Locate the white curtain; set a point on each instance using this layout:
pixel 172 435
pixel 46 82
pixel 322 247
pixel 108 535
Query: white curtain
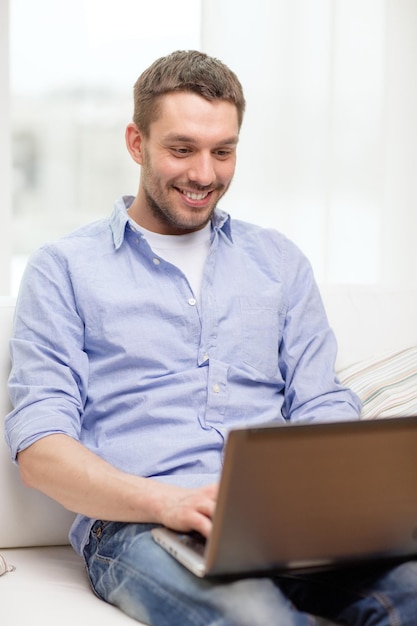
pixel 328 149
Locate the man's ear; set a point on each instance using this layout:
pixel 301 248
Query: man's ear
pixel 133 139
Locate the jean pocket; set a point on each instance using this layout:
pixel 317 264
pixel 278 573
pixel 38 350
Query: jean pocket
pixel 260 333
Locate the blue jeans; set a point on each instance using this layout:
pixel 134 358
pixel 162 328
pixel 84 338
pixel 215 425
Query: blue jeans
pixel 128 569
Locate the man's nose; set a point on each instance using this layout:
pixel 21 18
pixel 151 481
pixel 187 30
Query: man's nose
pixel 202 170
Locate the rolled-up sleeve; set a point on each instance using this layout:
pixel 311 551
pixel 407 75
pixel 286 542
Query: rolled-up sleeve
pixel 308 351
pixel 48 380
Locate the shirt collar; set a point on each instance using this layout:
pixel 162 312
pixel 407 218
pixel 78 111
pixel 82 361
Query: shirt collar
pixel 120 218
pixel 221 221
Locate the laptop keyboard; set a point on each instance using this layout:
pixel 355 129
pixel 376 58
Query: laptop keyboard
pixel 195 541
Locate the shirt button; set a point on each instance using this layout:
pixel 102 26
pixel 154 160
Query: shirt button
pixel 192 301
pixel 205 357
pixel 156 261
pixel 216 388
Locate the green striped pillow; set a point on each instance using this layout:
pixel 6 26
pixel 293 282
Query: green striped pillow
pixel 387 385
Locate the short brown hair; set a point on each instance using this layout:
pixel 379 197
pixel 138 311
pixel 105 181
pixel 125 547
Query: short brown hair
pixel 184 70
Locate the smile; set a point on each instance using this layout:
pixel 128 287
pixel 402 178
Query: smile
pixel 193 195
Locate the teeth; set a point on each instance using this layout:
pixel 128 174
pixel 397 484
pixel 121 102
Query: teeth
pixel 195 196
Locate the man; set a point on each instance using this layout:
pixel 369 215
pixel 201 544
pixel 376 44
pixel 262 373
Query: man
pixel 140 340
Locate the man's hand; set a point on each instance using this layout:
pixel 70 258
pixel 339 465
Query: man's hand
pixel 189 509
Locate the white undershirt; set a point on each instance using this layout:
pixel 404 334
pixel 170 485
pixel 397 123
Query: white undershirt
pixel 187 252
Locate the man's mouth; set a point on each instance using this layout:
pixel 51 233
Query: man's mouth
pixel 195 195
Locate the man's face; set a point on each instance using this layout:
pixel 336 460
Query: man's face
pixel 188 162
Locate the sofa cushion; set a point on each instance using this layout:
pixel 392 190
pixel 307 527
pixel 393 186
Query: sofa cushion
pixel 387 385
pixel 50 586
pixel 371 319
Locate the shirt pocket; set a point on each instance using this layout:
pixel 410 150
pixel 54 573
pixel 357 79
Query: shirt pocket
pixel 260 333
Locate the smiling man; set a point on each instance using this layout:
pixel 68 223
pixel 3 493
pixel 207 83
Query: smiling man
pixel 142 339
pixel 188 158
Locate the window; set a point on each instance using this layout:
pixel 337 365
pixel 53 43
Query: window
pixel 71 97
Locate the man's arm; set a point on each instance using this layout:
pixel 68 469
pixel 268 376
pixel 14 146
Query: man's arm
pixel 308 352
pixel 82 482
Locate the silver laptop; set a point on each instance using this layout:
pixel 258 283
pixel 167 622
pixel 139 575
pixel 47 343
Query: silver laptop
pixel 309 496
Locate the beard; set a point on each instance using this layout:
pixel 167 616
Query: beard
pixel 168 211
pixel 166 214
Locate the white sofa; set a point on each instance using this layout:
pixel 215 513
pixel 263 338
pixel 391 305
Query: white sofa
pixel 49 585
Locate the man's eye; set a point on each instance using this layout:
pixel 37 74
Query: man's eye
pixel 180 151
pixel 223 154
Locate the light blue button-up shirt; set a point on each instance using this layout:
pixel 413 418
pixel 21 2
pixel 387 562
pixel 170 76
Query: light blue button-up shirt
pixel 110 348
